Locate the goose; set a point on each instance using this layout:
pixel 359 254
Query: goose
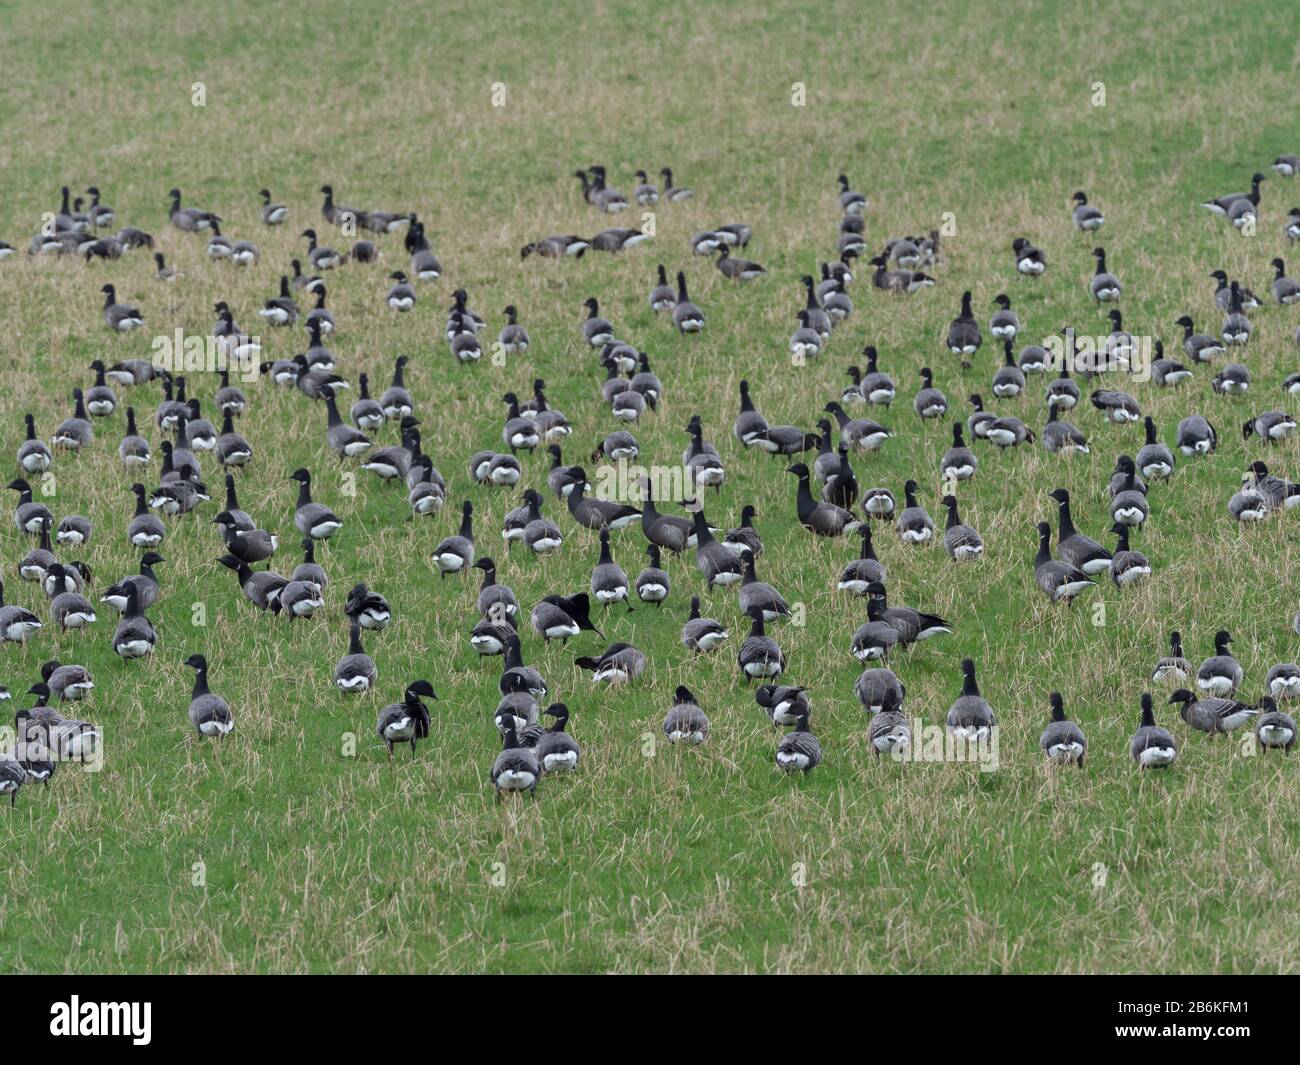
pixel 889 732
pixel 865 570
pixel 557 247
pixel 1063 742
pixel 34 564
pixel 319 256
pixel 1128 504
pixel 1058 580
pixel 1232 380
pixel 618 239
pixel 609 584
pixel 1236 326
pixel 645 194
pixel 1033 358
pixel 176 496
pixel 685 722
pixel 1283 680
pixel 555 750
pixel 720 565
pixel 1104 286
pixel 964 337
pixel 1222 204
pixel 876 386
pixel 519 433
pixel 247 545
pixel 750 424
pixel 541 535
pixel 366 413
pixel 841 486
pixel 145 583
pixel 144 529
pixel 29 517
pixel 1127 566
pixel 1118 407
pixel 851 202
pixel 71 577
pixel 978 423
pixel 914 525
pixel 596 331
pixel 744 537
pixel 401 296
pixel 1291 227
pixel 611 201
pixel 100 214
pixel 229 399
pixel 16 622
pixel 971 717
pixel 597 513
pixel 837 303
pixel 805 342
pixel 272 214
pixel 1241 214
pixel 1173 666
pixel 368 609
pixel 262 589
pixel 209 714
pixel 299 599
pixel 929 402
pixel 874 639
pixel 663 297
pixel 560 478
pixel 135 635
pixel 686 316
pixel 1030 261
pixel 879 690
pixel 1005 323
pixel 1249 505
pixel 701 634
pixel 911 625
pixel 759 654
pixel 519 709
pixel 738 234
pixel 673 193
pixel 702 461
pixel 799 749
pixel 189 219
pixel 851 241
pixel 343 439
pixel 100 400
pixel 1269 425
pixel 67 683
pixel 119 317
pixel 824 519
pixel 863 434
pixel 1009 380
pixel 617 664
pixel 34 457
pixel 513 337
pixel 737 269
pixel 1086 217
pixel 1072 546
pixel 309 570
pixel 312 519
pixel 1284 289
pixel 1120 345
pixel 488 637
pixel 962 542
pixel 456 553
pixel 384 221
pixel 425 265
pixel 1213 715
pixel 1220 674
pixel 782 703
pixel 70 609
pixel 516 768
pixel 652 583
pixel 426 495
pixel 198 433
pixel 1063 438
pixel 323 320
pixel 1196 436
pixel 1276 491
pixel 231 449
pixel 1199 346
pixel 1274 728
pixel 629 405
pixel 617 358
pixel 407 721
pixel 818 320
pixel 219 246
pixel 7 251
pixel 1287 165
pixel 903 251
pixel 56 738
pixel 1166 372
pixel 759 595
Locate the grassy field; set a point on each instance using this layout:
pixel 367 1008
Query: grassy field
pixel 277 851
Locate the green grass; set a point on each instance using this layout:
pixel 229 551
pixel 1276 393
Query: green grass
pixel 685 861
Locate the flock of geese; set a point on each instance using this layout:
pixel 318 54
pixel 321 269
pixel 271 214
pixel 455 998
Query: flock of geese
pixel 828 498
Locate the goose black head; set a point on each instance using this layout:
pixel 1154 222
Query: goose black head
pixel 1267 705
pixel 485 563
pixel 1222 639
pixel 1079 198
pixel 420 688
pixel 1182 695
pixel 197 662
pixel 683 695
pixel 1058 706
pixel 151 558
pixel 47 670
pixel 1060 495
pixel 41 691
pixel 300 475
pixel 799 469
pixel 558 711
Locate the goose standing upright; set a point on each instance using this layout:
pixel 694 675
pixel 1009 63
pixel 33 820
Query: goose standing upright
pixel 1062 741
pixel 407 721
pixel 209 714
pixel 971 717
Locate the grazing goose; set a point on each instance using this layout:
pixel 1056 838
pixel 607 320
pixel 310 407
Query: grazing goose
pixel 1283 680
pixel 16 622
pixel 1196 436
pixel 355 672
pixel 1005 323
pixel 978 423
pixel 1291 227
pixel 320 257
pixel 1058 580
pixel 786 440
pixel 12 775
pixel 1167 372
pixel 368 609
pixel 312 519
pixel 1248 505
pixel 1277 492
pixel 865 570
pixel 309 570
pixel 1199 346
pixel 209 714
pixel 1220 674
pixel 596 513
pixel 1009 380
pixel 219 246
pixel 701 634
pixel 970 717
pixel 456 553
pixel 1232 380
pixel 911 625
pixel 759 595
pixel 1213 715
pixel 74 529
pixel 1284 289
pixel 1104 286
pixel 1126 566
pixel 189 219
pixel 889 732
pixel 817 319
pixel 1063 438
pixel 1223 204
pixel 615 240
pixel 119 317
pixel 879 690
pixel 1270 425
pixel 914 524
pixel 555 750
pixel 1154 459
pixel 876 637
pixel 135 635
pixel 964 337
pixel 662 297
pixel 962 542
pixel 611 201
pixel 68 607
pixel 596 331
pixel 407 721
pixel 1173 666
pixel 930 402
pixel 1086 217
pixel 686 316
pixel 1119 407
pixel 799 749
pixel 1274 728
pixel 1072 546
pixel 555 247
pixel 805 342
pixel 878 503
pixel 560 478
pixel 1062 741
pixel 824 519
pixel 1236 326
pixel 145 583
pixel 685 722
pixel 652 583
pixel 782 703
pixel 841 486
pixel 34 564
pixel 617 664
pixel 609 584
pixel 1287 165
pixel 1029 260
